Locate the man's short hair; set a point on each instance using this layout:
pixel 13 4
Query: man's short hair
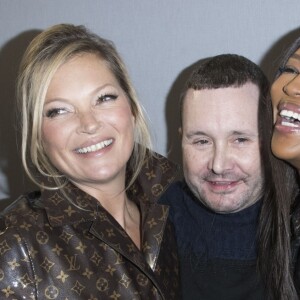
pixel 225 70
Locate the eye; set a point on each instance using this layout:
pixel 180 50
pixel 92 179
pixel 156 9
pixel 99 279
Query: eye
pixel 289 70
pixel 201 142
pixel 241 140
pixel 106 97
pixel 53 112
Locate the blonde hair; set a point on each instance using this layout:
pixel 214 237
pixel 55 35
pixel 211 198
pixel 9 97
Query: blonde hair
pixel 45 54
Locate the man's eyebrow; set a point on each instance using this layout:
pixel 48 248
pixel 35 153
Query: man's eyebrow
pixel 195 133
pixel 242 132
pixel 234 132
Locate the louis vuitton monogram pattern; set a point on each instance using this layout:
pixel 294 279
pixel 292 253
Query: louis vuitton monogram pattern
pixel 51 249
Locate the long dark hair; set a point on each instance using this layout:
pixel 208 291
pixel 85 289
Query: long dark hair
pixel 275 231
pixel 274 254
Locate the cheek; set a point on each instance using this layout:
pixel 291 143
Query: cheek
pixel 276 91
pixel 54 137
pixel 194 161
pixel 249 162
pixel 48 134
pixel 124 120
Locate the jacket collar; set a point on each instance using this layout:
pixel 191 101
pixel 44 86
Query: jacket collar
pixel 156 175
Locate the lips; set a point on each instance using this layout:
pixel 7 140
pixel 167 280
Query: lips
pixel 222 186
pixel 221 182
pixel 94 147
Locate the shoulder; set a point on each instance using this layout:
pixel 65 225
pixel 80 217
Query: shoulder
pixel 25 210
pixel 174 195
pixel 154 178
pixel 17 233
pixel 180 201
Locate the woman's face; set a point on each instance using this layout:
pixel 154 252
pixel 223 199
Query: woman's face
pixel 88 126
pixel 285 94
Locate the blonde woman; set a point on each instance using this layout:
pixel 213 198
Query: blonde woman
pixel 94 231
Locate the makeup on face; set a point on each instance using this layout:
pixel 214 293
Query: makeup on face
pixel 88 126
pixel 285 95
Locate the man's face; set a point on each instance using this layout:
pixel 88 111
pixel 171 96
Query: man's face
pixel 221 149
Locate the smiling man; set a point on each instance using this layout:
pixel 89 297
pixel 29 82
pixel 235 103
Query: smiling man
pixel 223 209
pixel 220 143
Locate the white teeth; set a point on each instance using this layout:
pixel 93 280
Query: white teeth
pixel 289 124
pixel 95 147
pixel 290 114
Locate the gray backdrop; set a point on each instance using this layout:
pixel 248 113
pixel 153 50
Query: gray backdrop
pixel 159 42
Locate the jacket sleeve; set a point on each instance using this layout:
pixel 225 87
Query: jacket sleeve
pixel 16 270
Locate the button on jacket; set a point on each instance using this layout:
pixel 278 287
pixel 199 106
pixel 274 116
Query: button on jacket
pixel 53 249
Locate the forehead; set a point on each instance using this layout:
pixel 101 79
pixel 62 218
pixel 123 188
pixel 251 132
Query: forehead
pixel 89 70
pixel 221 108
pixel 84 62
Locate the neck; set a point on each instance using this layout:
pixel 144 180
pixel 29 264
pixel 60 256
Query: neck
pixel 114 199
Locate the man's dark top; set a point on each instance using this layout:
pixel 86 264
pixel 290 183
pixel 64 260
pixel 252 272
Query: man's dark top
pixel 217 251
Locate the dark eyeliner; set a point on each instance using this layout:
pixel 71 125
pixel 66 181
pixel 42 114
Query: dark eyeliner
pixel 287 69
pixel 104 97
pixel 51 113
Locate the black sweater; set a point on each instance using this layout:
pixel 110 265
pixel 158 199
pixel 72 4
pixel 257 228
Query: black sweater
pixel 217 251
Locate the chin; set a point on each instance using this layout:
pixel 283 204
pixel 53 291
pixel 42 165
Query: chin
pixel 294 162
pixel 281 148
pixel 278 153
pixel 292 157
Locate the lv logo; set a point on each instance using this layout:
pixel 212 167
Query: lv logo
pixel 73 265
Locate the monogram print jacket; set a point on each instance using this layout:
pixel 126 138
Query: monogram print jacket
pixel 52 249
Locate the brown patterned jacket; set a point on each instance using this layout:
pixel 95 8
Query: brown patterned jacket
pixel 51 249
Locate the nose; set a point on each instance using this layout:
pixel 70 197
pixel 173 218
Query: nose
pixel 221 160
pixel 88 123
pixel 292 88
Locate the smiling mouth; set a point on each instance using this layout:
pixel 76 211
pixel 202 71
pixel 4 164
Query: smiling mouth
pixel 223 186
pixel 94 148
pixel 289 118
pixel 221 182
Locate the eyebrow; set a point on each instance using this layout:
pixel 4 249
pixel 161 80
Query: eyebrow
pixel 296 56
pixel 95 91
pixel 191 134
pixel 233 133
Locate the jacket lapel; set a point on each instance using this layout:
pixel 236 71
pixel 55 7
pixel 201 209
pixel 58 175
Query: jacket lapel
pixel 153 224
pixel 108 230
pixel 153 180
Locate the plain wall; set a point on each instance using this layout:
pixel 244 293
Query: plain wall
pixel 159 40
